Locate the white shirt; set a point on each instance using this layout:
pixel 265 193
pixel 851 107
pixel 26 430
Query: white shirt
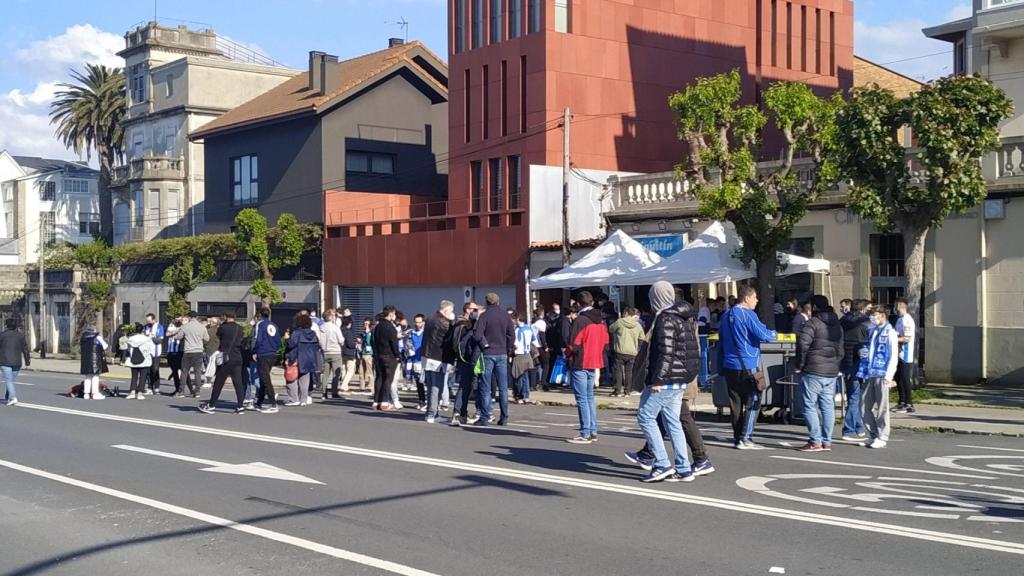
pixel 540 326
pixel 906 328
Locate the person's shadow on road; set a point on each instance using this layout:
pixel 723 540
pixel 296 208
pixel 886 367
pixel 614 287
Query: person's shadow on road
pixel 575 462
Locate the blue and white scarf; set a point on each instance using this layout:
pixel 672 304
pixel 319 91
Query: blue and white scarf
pixel 875 363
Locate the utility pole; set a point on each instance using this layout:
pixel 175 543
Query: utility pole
pixel 42 291
pixel 566 250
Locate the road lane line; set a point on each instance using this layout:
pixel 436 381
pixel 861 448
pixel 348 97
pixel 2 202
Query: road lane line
pixel 838 463
pixel 990 448
pixel 347 555
pixel 168 455
pixel 628 490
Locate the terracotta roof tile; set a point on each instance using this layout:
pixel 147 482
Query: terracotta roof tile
pixel 293 96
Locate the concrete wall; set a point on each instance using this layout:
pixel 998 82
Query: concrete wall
pixel 146 298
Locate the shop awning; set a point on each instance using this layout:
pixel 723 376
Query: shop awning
pixel 617 256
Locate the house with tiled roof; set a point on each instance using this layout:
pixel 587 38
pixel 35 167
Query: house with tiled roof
pixel 373 124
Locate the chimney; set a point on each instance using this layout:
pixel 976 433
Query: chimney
pixel 392 42
pixel 324 73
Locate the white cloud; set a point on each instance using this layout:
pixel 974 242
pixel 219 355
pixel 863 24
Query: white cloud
pixel 900 44
pixel 27 130
pixel 77 45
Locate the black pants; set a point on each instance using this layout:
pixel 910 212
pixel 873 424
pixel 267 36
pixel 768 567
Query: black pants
pixel 193 364
pixel 266 391
pixel 741 395
pixel 690 430
pixel 467 388
pixel 622 367
pixel 905 373
pixel 384 369
pixel 139 378
pixel 174 362
pixel 234 370
pixel 154 375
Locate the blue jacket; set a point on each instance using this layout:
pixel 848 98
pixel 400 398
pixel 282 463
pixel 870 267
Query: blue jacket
pixel 739 339
pixel 304 348
pixel 268 339
pixel 417 346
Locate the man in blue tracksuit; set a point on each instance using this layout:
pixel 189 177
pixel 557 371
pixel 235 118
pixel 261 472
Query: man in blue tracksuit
pixel 265 348
pixel 740 336
pixel 155 331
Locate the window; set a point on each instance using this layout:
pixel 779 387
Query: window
pixel 775 32
pixel 486 102
pixel 534 16
pixel 515 18
pixel 789 35
pixel 817 40
pixel 48 227
pixel 476 185
pixel 369 162
pixel 468 106
pixel 170 140
pixel 522 93
pixel 515 181
pixel 137 82
pixel 504 98
pixel 245 180
pixel 169 86
pixel 563 16
pixel 76 186
pixel 497 30
pixel 153 206
pixel 173 211
pixel 126 312
pixel 48 191
pixel 960 57
pixel 137 143
pixel 460 26
pixel 140 208
pixel 887 256
pixel 89 223
pixel 9 221
pixel 803 38
pixel 497 185
pixel 478 23
pixel 832 43
pixel 8 191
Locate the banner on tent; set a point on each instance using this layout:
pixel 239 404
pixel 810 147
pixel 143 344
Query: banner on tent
pixel 664 245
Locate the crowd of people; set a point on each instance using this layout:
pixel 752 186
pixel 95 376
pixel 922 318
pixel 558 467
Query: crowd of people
pixel 453 361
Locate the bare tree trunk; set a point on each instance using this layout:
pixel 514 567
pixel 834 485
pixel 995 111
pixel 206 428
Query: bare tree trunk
pixel 106 202
pixel 766 269
pixel 913 253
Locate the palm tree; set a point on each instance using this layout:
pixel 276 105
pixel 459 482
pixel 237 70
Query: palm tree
pixel 88 115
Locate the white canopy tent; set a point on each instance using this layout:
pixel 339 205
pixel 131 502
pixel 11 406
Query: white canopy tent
pixel 617 256
pixel 709 259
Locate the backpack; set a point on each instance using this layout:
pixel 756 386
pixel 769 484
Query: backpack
pixel 136 357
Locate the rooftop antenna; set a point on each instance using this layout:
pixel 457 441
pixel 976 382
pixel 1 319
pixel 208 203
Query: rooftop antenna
pixel 401 23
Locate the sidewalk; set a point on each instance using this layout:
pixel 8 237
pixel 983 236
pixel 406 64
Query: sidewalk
pixel 959 409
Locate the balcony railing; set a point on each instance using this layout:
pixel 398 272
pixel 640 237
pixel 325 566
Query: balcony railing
pixel 665 194
pixel 388 214
pixel 888 268
pixel 150 168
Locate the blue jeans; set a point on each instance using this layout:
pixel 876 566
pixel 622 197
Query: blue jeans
pixel 495 368
pixel 434 384
pixel 583 388
pixel 10 375
pixel 467 388
pixel 819 396
pixel 853 423
pixel 522 386
pixel 667 404
pixel 252 387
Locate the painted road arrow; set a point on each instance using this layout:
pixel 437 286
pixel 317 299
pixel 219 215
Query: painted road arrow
pixel 254 469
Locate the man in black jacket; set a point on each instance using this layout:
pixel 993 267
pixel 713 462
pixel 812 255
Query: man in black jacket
pixel 466 348
pixel 437 354
pixel 385 358
pixel 496 329
pixel 856 327
pixel 13 348
pixel 819 353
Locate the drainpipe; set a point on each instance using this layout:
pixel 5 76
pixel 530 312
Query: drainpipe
pixel 191 181
pixel 984 299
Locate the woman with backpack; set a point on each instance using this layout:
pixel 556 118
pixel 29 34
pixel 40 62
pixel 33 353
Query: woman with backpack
pixel 92 347
pixel 139 358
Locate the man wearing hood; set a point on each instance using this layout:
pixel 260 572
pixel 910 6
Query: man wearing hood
pixel 856 330
pixel 584 353
pixel 818 356
pixel 626 333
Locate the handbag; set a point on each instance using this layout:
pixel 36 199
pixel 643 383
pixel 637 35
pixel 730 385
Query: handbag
pixel 558 371
pixel 760 383
pixel 291 371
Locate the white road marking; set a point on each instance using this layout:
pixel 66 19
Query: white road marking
pixel 254 469
pixel 349 556
pixel 776 570
pixel 601 486
pixel 522 425
pixel 950 462
pixel 838 463
pixel 990 448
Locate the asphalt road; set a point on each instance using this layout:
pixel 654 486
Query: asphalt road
pixel 155 487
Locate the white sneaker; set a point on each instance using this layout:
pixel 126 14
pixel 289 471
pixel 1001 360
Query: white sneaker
pixel 99 396
pixel 398 406
pixel 431 420
pixel 878 444
pixel 309 401
pixel 131 396
pixel 207 385
pixel 12 402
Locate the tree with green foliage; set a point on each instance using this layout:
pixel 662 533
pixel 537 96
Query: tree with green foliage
pixel 182 277
pixel 955 121
pixel 99 262
pixel 724 140
pixel 89 116
pixel 269 250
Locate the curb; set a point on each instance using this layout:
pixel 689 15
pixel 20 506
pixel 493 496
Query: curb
pixel 45 371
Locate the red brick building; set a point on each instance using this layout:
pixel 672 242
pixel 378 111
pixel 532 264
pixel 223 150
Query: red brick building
pixel 514 66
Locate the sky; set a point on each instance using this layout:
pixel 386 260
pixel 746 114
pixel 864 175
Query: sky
pixel 41 40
